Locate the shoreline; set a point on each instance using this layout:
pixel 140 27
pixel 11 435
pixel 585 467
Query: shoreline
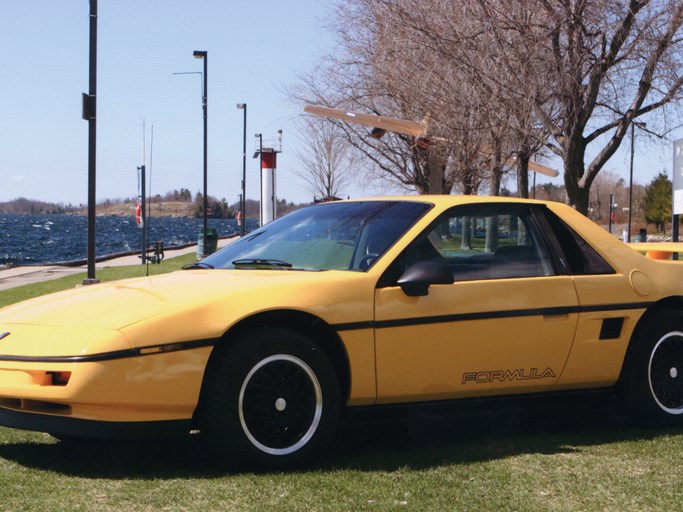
pixel 20 275
pixel 107 257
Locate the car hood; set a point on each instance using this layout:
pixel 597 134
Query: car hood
pixel 119 304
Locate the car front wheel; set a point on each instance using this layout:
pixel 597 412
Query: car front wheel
pixel 271 400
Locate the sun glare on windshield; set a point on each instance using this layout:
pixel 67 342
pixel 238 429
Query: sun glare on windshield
pixel 330 236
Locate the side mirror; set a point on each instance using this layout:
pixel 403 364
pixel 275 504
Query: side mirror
pixel 417 278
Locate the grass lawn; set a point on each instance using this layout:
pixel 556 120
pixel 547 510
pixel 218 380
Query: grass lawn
pixel 568 458
pixel 587 465
pixel 106 274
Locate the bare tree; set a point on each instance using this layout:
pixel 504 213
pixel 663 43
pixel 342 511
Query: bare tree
pixel 384 67
pixel 466 91
pixel 501 80
pixel 421 56
pixel 326 161
pixel 400 159
pixel 603 64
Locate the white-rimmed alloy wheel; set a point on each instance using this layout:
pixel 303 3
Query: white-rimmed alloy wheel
pixel 280 404
pixel 269 401
pixel 665 373
pixel 652 378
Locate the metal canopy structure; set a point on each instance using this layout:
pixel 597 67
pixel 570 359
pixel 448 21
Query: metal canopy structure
pixel 396 125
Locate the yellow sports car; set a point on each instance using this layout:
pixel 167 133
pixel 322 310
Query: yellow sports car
pixel 261 346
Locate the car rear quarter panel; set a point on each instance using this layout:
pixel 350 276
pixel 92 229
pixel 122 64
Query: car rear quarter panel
pixel 639 284
pixel 596 361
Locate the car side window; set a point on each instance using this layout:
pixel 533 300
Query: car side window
pixel 579 257
pixel 492 241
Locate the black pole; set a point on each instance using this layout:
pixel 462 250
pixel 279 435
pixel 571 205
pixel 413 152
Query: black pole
pixel 674 228
pixel 630 184
pixel 674 232
pixel 205 57
pixel 206 175
pixel 243 202
pixel 92 133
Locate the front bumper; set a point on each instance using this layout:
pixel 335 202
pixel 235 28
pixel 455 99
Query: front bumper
pixel 61 426
pixel 137 388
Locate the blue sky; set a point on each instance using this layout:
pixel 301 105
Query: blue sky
pixel 254 48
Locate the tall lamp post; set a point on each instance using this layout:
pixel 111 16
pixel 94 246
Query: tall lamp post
pixel 243 199
pixel 89 114
pixel 204 56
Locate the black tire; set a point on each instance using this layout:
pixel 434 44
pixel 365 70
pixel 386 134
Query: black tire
pixel 271 401
pixel 653 370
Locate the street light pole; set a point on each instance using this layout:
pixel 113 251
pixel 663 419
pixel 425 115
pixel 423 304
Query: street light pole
pixel 243 200
pixel 204 56
pixel 89 113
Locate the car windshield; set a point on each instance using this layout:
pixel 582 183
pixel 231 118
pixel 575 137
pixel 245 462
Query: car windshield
pixel 328 236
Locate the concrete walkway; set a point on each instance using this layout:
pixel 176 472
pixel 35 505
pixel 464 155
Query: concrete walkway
pixel 19 276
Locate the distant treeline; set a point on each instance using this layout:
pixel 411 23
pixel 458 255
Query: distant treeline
pixel 23 205
pixel 217 208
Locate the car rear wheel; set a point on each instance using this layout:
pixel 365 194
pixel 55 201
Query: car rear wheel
pixel 653 377
pixel 270 401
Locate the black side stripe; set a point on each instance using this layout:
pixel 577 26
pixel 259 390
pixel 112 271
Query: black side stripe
pixel 489 315
pixel 353 326
pixel 118 354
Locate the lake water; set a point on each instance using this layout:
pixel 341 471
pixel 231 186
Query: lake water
pixel 39 238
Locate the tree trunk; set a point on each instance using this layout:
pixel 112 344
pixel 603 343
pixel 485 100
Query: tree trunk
pixel 576 183
pixel 437 167
pixel 523 176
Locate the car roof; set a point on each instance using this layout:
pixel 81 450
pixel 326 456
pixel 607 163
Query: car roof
pixel 451 200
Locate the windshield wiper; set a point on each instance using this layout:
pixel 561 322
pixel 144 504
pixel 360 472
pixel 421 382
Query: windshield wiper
pixel 196 265
pixel 261 263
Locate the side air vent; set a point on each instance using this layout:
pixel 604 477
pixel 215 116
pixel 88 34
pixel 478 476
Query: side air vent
pixel 611 328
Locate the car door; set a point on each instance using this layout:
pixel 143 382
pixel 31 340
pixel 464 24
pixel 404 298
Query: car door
pixel 505 325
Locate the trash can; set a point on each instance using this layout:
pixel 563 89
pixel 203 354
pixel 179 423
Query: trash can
pixel 207 244
pixel 641 236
